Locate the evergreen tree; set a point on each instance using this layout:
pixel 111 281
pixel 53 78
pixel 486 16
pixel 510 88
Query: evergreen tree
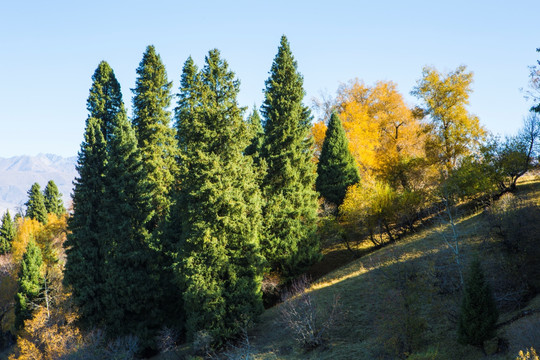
pixel 151 121
pixel 290 214
pixel 257 135
pixel 53 199
pixel 105 99
pixel 219 202
pixel 478 315
pixel 130 289
pixel 29 283
pixel 7 233
pixel 337 169
pixel 86 241
pixel 35 206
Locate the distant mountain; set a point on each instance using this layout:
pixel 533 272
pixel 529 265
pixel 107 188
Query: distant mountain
pixel 18 173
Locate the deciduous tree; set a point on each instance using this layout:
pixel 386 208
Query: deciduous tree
pixel 454 132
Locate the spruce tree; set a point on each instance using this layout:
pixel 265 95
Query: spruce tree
pixel 478 315
pixel 290 242
pixel 151 120
pixel 130 289
pixel 86 242
pixel 105 100
pixel 35 206
pixel 7 233
pixel 257 135
pixel 337 169
pixel 219 203
pixel 53 199
pixel 29 283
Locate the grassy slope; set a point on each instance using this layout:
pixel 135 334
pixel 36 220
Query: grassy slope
pixel 373 298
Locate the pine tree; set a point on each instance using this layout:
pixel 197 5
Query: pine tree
pixel 478 315
pixel 53 199
pixel 35 206
pixel 219 203
pixel 290 242
pixel 151 121
pixel 86 241
pixel 105 100
pixel 29 283
pixel 337 169
pixel 130 292
pixel 7 233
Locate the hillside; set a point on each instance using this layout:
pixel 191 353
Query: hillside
pixel 18 173
pixel 404 299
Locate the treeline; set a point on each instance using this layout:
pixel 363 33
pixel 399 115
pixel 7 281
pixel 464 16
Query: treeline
pixel 411 159
pixel 176 225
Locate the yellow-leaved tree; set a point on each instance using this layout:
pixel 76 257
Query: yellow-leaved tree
pixel 318 132
pixel 382 131
pixel 454 133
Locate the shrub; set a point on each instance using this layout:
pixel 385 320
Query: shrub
pixel 308 321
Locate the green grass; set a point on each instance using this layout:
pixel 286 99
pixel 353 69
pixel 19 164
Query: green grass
pixel 417 273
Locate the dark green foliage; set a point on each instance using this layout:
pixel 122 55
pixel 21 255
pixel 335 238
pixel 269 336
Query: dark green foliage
pixel 216 221
pixel 35 206
pixel 105 99
pixel 53 199
pixel 151 121
pixel 7 233
pixel 257 135
pixel 29 283
pixel 187 100
pixel 290 243
pixel 478 315
pixel 130 286
pixel 337 169
pixel 86 242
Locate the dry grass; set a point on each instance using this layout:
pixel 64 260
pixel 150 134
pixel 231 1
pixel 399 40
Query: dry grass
pixel 412 284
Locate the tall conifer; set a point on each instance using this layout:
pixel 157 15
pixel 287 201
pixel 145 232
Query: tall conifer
pixel 7 233
pixel 86 242
pixel 130 291
pixel 53 199
pixel 151 121
pixel 219 203
pixel 257 135
pixel 29 283
pixel 290 241
pixel 105 99
pixel 35 206
pixel 337 169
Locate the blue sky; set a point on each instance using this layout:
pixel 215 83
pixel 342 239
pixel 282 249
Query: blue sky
pixel 50 49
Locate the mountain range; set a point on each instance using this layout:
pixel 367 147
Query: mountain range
pixel 18 173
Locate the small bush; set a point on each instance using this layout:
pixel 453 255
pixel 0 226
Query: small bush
pixel 308 321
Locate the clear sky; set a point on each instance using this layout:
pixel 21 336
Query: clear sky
pixel 50 49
